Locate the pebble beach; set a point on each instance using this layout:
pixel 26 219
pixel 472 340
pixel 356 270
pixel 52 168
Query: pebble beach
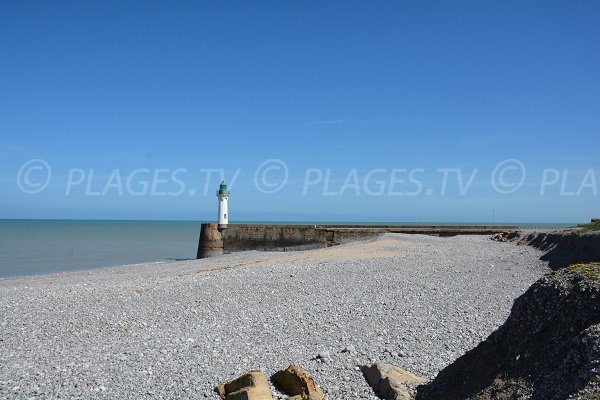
pixel 178 329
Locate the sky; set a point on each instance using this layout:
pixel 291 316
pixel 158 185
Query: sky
pixel 383 111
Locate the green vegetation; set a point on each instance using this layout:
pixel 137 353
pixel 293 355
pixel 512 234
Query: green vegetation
pixel 593 227
pixel 590 271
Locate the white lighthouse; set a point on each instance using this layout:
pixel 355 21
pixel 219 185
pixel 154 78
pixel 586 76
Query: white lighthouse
pixel 223 195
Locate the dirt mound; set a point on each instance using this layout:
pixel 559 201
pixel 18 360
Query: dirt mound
pixel 549 348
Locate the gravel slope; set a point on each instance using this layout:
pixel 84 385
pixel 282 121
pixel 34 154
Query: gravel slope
pixel 172 330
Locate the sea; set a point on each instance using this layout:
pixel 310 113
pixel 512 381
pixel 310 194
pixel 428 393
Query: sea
pixel 34 247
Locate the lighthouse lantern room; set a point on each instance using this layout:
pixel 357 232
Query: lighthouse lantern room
pixel 223 195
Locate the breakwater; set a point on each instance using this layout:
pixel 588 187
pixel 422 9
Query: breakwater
pixel 242 237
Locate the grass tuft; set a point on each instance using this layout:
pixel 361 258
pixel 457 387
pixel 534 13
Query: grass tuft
pixel 590 271
pixel 593 227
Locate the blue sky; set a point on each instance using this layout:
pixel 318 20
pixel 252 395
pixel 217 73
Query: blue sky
pixel 334 90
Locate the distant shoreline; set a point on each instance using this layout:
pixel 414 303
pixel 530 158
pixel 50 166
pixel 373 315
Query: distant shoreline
pixel 524 225
pixel 39 247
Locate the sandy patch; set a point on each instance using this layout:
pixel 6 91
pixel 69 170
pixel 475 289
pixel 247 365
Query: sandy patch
pixel 383 248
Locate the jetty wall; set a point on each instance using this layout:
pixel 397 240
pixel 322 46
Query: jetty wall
pixel 270 237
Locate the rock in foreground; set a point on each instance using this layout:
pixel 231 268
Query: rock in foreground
pixel 295 381
pixel 391 382
pixel 250 386
pixel 549 348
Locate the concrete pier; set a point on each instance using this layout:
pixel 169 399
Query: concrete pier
pixel 210 243
pixel 214 241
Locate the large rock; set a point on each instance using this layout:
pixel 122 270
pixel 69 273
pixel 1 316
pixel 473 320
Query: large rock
pixel 505 236
pixel 390 382
pixel 295 381
pixel 251 386
pixel 548 349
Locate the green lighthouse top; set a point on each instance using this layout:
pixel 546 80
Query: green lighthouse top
pixel 223 190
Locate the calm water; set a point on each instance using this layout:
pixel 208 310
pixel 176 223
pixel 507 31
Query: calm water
pixel 40 247
pixel 30 247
